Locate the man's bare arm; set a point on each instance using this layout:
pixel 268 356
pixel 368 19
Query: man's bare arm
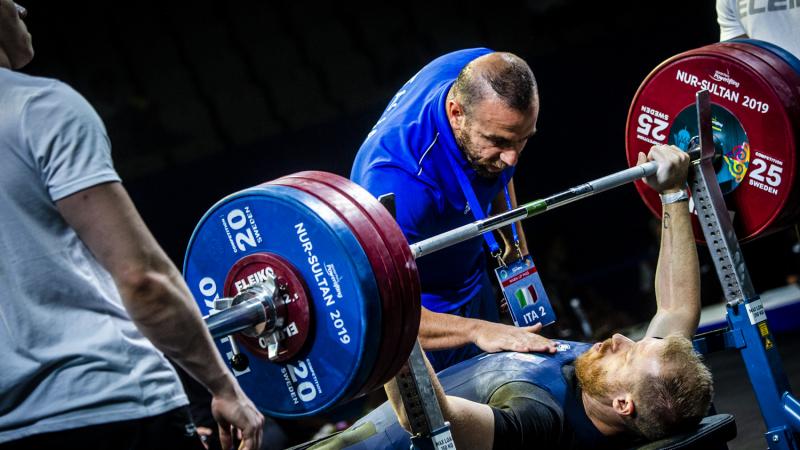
pixel 438 331
pixel 677 276
pixel 471 423
pixel 157 299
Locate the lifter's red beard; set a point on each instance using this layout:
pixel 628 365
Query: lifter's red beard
pixel 591 374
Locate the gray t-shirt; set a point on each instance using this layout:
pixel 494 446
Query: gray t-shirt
pixel 70 356
pixel 774 21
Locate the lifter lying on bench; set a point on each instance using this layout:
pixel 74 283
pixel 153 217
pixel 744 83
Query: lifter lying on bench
pixel 612 394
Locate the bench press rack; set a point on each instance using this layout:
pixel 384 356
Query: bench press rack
pixel 747 329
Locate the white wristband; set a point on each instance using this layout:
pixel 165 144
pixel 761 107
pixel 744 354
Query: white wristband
pixel 674 197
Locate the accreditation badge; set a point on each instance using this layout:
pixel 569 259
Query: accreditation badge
pixel 524 293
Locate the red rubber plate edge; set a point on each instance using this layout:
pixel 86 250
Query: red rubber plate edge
pixel 394 238
pixel 791 210
pixel 707 51
pixel 782 87
pixel 382 266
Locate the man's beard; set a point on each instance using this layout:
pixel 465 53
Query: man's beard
pixel 591 373
pixel 465 145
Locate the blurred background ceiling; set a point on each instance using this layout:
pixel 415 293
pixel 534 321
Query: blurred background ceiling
pixel 202 99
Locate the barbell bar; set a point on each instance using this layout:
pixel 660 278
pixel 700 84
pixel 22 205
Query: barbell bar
pixel 243 314
pixel 349 310
pixel 258 306
pixel 536 207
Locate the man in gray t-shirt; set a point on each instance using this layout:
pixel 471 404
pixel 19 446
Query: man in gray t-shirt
pixel 772 21
pixel 88 296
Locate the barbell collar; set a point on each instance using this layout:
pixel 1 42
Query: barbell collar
pixel 253 311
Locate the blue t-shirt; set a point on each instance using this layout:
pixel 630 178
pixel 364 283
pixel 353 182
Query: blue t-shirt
pixel 407 153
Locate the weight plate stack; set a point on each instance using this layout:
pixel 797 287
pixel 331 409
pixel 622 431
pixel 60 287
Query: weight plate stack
pixel 309 237
pixel 382 265
pixel 755 97
pixel 404 260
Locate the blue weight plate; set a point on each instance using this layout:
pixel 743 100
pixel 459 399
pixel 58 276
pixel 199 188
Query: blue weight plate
pixel 395 241
pixel 307 233
pixel 382 267
pixel 789 58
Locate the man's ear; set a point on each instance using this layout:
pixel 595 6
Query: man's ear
pixel 623 404
pixel 455 112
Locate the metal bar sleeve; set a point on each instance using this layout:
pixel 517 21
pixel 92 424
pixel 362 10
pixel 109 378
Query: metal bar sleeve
pixel 236 318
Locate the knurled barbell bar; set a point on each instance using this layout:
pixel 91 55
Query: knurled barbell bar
pixel 315 280
pixel 260 309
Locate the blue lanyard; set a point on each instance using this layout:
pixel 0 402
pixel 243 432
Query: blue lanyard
pixel 508 205
pixel 475 206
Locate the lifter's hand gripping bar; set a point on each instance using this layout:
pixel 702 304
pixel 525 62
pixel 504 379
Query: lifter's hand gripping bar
pixel 257 309
pixel 536 207
pixel 244 314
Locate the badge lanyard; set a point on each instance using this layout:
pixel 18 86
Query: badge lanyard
pixel 520 282
pixel 513 225
pixel 524 293
pixel 477 211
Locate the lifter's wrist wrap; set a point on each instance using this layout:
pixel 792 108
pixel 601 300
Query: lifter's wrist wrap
pixel 674 197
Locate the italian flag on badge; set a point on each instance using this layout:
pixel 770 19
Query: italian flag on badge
pixel 526 296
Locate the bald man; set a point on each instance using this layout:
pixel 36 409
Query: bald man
pixel 446 146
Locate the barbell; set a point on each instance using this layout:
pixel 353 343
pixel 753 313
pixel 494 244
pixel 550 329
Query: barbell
pixel 311 291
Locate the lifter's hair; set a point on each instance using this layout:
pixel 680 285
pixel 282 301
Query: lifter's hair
pixel 510 78
pixel 675 399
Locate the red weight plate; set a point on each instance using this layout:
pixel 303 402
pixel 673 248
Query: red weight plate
pixel 297 324
pixel 392 315
pixel 384 221
pixel 381 262
pixel 791 211
pixel 766 62
pixel 761 166
pixel 756 60
pixel 753 129
pixel 395 240
pixel 394 331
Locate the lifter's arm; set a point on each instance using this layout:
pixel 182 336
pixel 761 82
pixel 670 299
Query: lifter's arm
pixel 471 423
pixel 730 23
pixel 157 299
pixel 677 276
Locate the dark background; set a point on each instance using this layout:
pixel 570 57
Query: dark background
pixel 203 99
